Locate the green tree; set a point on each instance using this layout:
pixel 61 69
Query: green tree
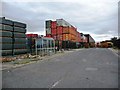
pixel 116 42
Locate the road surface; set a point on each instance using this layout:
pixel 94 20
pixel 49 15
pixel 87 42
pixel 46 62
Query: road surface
pixel 88 68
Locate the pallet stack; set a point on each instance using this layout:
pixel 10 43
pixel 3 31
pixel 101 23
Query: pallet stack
pixel 6 30
pixel 19 38
pixel 13 38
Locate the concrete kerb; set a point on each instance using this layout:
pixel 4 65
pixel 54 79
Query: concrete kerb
pixel 114 51
pixel 17 64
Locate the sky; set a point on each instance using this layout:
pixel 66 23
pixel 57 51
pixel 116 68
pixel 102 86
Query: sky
pixel 99 18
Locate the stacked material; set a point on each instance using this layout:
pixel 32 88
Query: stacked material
pixel 13 38
pixel 19 38
pixel 69 33
pixel 66 35
pixel 6 36
pixel 61 31
pixel 62 22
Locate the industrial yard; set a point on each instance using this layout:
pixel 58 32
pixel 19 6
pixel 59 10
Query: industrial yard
pixel 55 45
pixel 58 60
pixel 99 69
pixel 60 35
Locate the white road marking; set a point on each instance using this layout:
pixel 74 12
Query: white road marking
pixel 91 69
pixel 56 83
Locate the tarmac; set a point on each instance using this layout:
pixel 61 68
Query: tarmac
pixel 22 62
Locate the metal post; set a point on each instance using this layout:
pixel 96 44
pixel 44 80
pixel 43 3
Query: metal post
pixel 54 46
pixel 47 47
pixel 36 45
pixel 51 45
pixel 42 46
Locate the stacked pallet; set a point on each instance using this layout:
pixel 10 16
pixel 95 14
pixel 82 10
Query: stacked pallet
pixel 12 37
pixel 6 29
pixel 19 38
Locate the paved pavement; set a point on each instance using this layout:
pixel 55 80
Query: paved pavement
pixel 88 68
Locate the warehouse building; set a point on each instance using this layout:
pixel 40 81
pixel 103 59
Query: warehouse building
pixel 83 40
pixel 61 31
pixel 90 40
pixel 65 35
pixel 12 37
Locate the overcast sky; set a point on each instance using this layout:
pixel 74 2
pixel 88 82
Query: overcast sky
pixel 96 17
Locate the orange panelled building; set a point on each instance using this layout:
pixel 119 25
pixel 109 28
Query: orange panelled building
pixel 53 31
pixel 78 37
pixel 66 37
pixel 64 33
pixel 66 30
pixel 53 24
pixel 60 37
pixel 59 30
pixel 69 33
pixel 69 30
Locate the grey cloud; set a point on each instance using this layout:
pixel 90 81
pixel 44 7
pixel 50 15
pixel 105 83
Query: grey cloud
pixel 15 13
pixel 85 18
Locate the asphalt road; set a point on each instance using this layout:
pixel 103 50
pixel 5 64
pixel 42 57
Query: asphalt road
pixel 89 68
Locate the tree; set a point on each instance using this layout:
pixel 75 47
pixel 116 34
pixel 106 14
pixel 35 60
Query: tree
pixel 113 39
pixel 116 42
